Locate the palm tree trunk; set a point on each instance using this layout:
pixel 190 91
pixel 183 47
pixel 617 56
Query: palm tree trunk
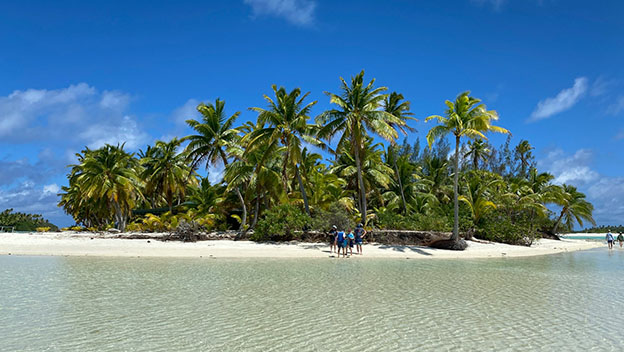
pixel 303 191
pixel 360 184
pixel 121 225
pixel 257 208
pixel 240 197
pixel 558 221
pixel 396 170
pixel 244 218
pixel 455 236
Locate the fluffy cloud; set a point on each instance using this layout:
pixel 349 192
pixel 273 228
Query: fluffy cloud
pixel 563 101
pixel 298 12
pixel 30 198
pixel 42 129
pixel 573 169
pixel 91 117
pixel 604 192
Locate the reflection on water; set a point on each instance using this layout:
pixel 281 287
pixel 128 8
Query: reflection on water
pixel 559 302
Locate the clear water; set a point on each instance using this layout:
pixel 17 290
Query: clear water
pixel 562 302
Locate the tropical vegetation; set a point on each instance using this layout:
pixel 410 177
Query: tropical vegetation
pixel 291 171
pixel 17 221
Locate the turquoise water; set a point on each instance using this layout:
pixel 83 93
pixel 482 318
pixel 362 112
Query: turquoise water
pixel 572 301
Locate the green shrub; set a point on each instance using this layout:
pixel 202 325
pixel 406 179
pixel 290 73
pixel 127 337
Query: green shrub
pixel 498 227
pixel 281 224
pixel 336 215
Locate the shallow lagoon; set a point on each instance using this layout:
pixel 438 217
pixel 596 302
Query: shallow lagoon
pixel 572 301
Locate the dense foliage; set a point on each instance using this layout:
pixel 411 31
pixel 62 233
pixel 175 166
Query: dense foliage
pixel 274 182
pixel 25 222
pixel 603 229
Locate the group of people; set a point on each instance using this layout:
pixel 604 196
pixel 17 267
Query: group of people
pixel 610 239
pixel 341 241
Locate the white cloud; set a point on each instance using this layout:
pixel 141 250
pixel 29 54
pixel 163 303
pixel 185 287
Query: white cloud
pixel 299 12
pixel 215 173
pixel 601 86
pixel 572 169
pixel 51 189
pixel 29 198
pixel 90 117
pixel 566 99
pixel 616 107
pixel 604 192
pixel 127 131
pixel 185 112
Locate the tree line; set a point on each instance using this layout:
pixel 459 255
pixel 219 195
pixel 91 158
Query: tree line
pixel 271 167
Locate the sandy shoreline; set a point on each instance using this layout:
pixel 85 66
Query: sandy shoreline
pixel 73 244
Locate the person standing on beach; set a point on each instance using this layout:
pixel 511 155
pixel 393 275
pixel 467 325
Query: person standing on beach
pixel 359 237
pixel 609 239
pixel 332 239
pixel 340 241
pixel 351 240
pixel 620 239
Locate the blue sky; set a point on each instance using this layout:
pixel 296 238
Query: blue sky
pixel 87 73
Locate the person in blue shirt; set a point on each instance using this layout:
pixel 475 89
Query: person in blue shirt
pixel 609 239
pixel 340 241
pixel 350 241
pixel 359 237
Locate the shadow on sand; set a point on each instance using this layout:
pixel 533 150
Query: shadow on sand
pixel 404 249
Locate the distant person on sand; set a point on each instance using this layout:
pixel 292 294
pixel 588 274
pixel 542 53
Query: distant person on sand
pixel 620 239
pixel 351 238
pixel 609 239
pixel 340 241
pixel 332 239
pixel 359 237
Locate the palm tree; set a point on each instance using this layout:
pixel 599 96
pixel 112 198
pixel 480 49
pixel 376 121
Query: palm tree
pixel 523 152
pixel 165 171
pixel 464 117
pixel 574 208
pixel 214 136
pixel 374 172
pixel 358 112
pixel 478 150
pixel 394 105
pixel 286 118
pixel 478 194
pixel 109 174
pixel 256 170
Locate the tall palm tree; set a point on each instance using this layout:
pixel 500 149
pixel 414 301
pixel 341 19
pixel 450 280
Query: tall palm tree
pixel 477 150
pixel 257 170
pixel 109 174
pixel 214 136
pixel 523 152
pixel 286 118
pixel 165 171
pixel 466 117
pixel 395 105
pixel 358 112
pixel 574 208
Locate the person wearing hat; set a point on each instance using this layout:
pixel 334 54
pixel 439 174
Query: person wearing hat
pixel 333 246
pixel 359 238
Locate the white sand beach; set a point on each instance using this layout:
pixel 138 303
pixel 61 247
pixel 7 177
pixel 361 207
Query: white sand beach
pixel 90 244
